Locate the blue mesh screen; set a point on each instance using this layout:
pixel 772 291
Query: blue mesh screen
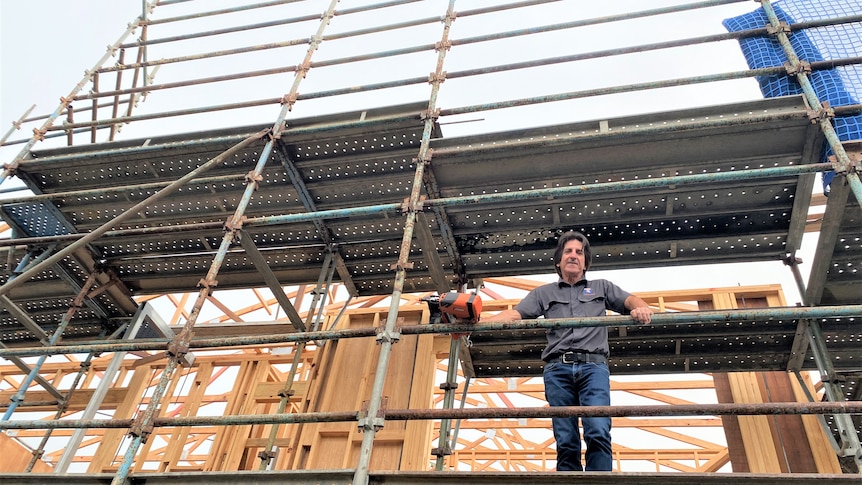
pixel 839 86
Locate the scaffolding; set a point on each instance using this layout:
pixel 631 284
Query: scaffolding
pixel 373 197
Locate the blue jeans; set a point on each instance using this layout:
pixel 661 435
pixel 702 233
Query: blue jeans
pixel 580 384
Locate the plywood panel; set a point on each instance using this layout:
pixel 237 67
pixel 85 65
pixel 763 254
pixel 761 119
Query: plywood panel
pixel 756 432
pixel 348 385
pixel 16 457
pixel 330 451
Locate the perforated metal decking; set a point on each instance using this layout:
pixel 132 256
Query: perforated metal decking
pixel 611 177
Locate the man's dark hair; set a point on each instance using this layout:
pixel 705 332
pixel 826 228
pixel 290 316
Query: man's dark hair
pixel 566 237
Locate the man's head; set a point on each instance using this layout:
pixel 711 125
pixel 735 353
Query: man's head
pixel 573 254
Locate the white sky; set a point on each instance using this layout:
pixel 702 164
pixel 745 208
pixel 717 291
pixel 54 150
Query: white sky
pixel 46 45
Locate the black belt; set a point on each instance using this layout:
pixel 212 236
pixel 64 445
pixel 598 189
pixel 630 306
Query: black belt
pixel 572 357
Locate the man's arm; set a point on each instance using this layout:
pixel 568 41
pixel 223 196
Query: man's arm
pixel 504 316
pixel 638 309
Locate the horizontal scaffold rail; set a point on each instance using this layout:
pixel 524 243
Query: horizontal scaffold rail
pixel 681 318
pixel 737 409
pixel 397 207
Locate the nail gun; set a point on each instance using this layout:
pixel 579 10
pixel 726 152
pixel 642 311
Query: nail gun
pixel 454 307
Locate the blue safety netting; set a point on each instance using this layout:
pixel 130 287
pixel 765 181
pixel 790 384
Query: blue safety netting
pixel 839 86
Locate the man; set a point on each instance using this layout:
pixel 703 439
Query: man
pixel 576 370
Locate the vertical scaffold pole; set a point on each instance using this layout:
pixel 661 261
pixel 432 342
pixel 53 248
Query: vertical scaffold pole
pixel 850 442
pixel 179 347
pixel 843 162
pixel 268 453
pixel 372 422
pixel 444 448
pixel 39 133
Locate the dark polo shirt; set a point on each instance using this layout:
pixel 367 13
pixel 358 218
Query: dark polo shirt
pixel 583 299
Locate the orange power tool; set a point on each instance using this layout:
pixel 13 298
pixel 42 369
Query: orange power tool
pixel 454 307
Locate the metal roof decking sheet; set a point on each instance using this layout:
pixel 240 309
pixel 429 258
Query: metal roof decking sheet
pixel 362 159
pixel 714 221
pixel 343 160
pixel 843 282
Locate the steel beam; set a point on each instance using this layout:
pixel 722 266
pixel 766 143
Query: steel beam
pixel 271 280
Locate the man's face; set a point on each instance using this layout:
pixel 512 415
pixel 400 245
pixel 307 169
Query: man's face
pixel 572 263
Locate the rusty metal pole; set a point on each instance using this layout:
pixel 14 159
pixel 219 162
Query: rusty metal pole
pixel 55 337
pixel 851 444
pixel 719 409
pixel 179 347
pixel 39 133
pixel 268 453
pixel 372 422
pixel 676 318
pixel 824 115
pixel 96 233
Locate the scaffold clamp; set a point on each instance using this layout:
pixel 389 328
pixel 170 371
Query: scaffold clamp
pixel 253 178
pixel 782 27
pixel 406 206
pixel 437 77
pixel 823 113
pixel 449 386
pixel 446 44
pixel 209 285
pixel 233 224
pixel 803 67
pixel 853 150
pixel 266 455
pixel 388 337
pixel 367 423
pixel 401 266
pixel 791 260
pixel 441 451
pixel 141 429
pixel 425 114
pixel 289 99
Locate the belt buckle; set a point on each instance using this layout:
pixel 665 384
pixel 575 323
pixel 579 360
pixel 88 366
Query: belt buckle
pixel 569 358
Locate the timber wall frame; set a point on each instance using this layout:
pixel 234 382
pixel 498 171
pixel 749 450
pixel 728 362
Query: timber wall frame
pixel 436 248
pixel 262 378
